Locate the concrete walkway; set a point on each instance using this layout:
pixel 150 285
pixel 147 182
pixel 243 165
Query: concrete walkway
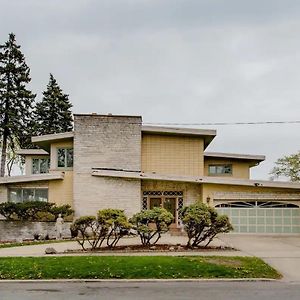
pixel 39 250
pixel 280 251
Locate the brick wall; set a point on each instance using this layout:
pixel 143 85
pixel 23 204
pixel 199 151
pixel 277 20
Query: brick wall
pixel 106 142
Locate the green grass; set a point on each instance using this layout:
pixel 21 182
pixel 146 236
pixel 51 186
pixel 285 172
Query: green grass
pixel 29 243
pixel 134 267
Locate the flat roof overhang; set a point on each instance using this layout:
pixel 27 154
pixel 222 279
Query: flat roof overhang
pixel 45 141
pixel 31 178
pixel 32 152
pixel 252 159
pixel 207 134
pixel 191 179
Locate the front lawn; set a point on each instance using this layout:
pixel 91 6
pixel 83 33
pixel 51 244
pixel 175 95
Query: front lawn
pixel 134 267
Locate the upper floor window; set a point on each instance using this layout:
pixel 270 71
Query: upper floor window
pixel 65 157
pixel 40 165
pixel 18 195
pixel 219 169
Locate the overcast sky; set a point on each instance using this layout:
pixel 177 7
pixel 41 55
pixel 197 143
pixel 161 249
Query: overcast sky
pixel 179 61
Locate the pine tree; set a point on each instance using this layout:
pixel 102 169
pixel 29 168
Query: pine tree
pixel 16 100
pixel 53 114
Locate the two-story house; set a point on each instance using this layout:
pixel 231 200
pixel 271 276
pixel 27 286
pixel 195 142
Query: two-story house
pixel 115 162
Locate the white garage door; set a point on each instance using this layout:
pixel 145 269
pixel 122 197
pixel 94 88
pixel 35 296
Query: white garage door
pixel 262 217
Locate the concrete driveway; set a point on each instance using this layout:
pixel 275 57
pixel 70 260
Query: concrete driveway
pixel 280 251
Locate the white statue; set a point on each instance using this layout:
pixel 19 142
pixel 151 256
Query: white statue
pixel 59 227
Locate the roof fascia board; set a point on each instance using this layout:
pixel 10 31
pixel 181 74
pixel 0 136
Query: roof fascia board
pixel 207 134
pixel 191 179
pixel 52 137
pixel 32 152
pixel 31 178
pixel 235 156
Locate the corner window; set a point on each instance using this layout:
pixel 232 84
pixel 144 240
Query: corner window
pixel 65 157
pixel 219 169
pixel 40 165
pixel 18 195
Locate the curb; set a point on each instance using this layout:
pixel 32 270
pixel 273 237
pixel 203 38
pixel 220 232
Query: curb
pixel 138 280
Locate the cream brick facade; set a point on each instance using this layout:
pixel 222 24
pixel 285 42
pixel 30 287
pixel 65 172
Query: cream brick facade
pixel 191 191
pixel 235 192
pixel 144 160
pixel 3 193
pixel 106 142
pixel 172 155
pixel 240 169
pixel 61 191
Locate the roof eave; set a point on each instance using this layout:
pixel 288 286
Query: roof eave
pixel 31 178
pixel 207 134
pixel 193 179
pixel 44 141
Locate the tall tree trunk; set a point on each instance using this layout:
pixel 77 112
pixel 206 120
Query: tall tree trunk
pixel 3 153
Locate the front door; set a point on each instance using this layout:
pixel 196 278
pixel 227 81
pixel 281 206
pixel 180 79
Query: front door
pixel 168 203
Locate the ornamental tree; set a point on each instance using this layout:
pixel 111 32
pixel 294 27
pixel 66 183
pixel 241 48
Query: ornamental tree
pixel 288 166
pixel 53 114
pixel 110 225
pixel 151 224
pixel 202 223
pixel 16 100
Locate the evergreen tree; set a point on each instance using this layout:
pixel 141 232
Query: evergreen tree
pixel 16 100
pixel 53 114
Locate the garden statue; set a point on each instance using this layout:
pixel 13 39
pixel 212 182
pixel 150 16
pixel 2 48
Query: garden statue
pixel 59 227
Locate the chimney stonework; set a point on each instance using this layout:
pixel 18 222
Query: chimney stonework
pixel 112 142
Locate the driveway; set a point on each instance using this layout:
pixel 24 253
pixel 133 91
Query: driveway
pixel 280 251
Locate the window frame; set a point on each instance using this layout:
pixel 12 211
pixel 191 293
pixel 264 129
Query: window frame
pixel 39 164
pixel 223 166
pixel 22 189
pixel 65 167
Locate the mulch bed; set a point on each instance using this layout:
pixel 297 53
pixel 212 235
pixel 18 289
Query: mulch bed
pixel 156 248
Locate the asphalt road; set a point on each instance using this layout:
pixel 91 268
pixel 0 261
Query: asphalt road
pixel 275 290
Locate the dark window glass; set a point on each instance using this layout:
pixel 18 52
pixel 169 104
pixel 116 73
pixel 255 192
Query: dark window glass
pixel 27 194
pixel 65 157
pixel 40 165
pixel 219 169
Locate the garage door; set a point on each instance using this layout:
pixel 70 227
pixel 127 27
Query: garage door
pixel 262 217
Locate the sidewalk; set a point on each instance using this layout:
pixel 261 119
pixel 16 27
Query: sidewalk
pixel 39 250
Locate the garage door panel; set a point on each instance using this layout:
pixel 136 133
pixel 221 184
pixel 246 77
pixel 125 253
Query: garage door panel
pixel 263 220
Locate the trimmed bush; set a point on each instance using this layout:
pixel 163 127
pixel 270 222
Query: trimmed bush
pixel 116 222
pixel 34 211
pixel 110 225
pixel 202 223
pixel 151 224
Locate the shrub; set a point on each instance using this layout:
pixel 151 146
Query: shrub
pixel 115 223
pixel 202 223
pixel 8 210
pixel 65 210
pixel 151 224
pixel 86 229
pixel 110 225
pixel 34 211
pixel 45 216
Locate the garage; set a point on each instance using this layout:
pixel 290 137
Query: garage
pixel 262 216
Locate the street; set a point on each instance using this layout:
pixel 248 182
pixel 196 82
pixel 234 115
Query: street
pixel 208 290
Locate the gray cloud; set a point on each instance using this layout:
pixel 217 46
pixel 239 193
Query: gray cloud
pixel 172 61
